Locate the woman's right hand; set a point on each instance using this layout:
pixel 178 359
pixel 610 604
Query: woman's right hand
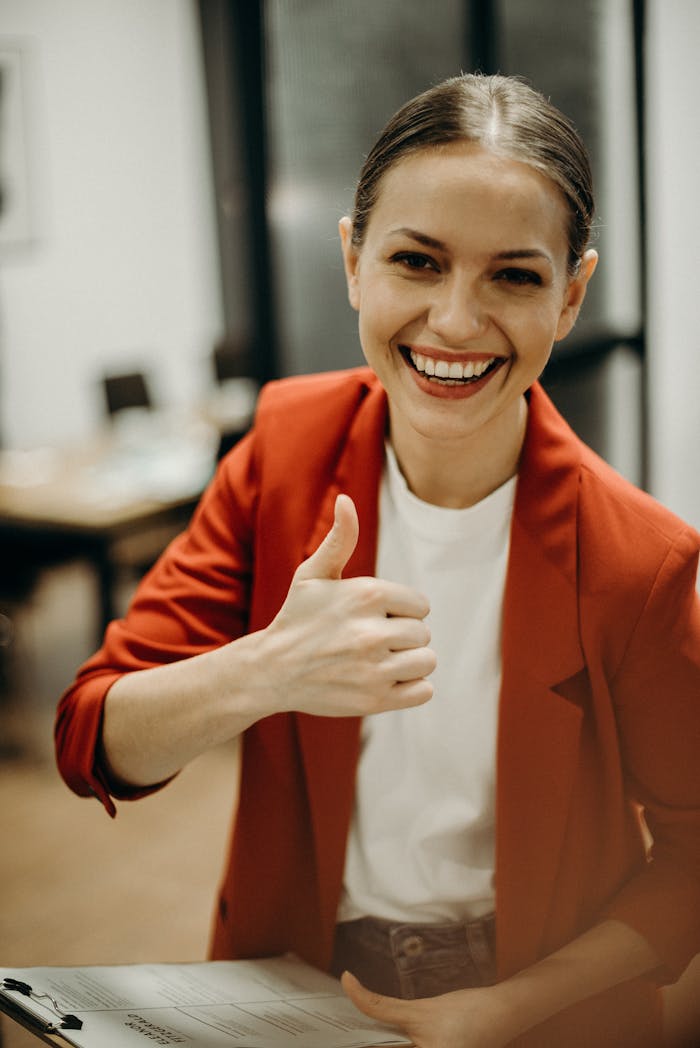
pixel 338 647
pixel 346 647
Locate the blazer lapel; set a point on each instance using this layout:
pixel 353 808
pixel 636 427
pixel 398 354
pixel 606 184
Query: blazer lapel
pixel 330 745
pixel 538 726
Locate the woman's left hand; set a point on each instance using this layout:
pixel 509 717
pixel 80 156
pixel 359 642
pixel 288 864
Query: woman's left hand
pixel 462 1019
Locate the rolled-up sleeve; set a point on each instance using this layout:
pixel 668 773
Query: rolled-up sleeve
pixel 194 599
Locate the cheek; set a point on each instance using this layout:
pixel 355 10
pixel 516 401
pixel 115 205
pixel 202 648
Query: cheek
pixel 383 309
pixel 379 330
pixel 373 330
pixel 533 325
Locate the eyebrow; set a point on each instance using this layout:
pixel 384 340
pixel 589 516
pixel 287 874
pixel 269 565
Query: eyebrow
pixel 523 252
pixel 420 238
pixel 502 256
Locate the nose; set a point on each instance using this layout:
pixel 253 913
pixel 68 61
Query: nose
pixel 456 312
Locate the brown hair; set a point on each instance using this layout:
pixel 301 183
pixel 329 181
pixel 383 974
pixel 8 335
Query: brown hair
pixel 501 113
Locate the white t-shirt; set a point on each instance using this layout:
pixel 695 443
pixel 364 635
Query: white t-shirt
pixel 422 839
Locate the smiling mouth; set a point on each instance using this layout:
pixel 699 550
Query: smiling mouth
pixel 450 373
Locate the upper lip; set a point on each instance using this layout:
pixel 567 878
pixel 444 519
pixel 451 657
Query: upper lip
pixel 459 356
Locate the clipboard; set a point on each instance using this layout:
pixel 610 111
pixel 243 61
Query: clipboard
pixel 263 1003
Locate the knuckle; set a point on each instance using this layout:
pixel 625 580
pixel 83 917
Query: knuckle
pixel 365 640
pixel 424 634
pixel 366 591
pixel 425 691
pixel 416 692
pixel 430 658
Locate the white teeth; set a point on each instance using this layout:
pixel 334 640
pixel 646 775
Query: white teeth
pixel 453 370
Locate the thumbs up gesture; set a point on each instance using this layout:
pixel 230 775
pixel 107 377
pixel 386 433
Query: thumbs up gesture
pixel 329 560
pixel 347 647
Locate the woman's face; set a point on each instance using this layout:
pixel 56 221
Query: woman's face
pixel 462 288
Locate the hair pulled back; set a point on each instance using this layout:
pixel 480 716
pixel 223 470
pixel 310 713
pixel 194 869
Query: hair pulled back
pixel 504 115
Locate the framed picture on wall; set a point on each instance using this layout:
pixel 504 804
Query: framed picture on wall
pixel 16 218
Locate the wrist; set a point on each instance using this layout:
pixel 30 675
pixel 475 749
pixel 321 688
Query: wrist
pixel 602 957
pixel 246 680
pixel 537 993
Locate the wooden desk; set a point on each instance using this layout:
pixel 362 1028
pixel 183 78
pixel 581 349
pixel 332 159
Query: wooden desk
pixel 101 502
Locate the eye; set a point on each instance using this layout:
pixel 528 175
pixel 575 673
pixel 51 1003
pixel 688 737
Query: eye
pixel 519 277
pixel 414 260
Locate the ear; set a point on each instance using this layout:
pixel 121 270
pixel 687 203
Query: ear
pixel 575 294
pixel 351 258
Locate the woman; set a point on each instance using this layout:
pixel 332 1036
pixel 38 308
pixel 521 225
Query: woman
pixel 478 847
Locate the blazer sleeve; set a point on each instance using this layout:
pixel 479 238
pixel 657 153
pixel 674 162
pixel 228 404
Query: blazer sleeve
pixel 195 598
pixel 657 696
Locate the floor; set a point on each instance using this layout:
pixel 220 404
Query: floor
pixel 79 888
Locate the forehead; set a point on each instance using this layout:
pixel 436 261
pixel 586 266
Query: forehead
pixel 463 188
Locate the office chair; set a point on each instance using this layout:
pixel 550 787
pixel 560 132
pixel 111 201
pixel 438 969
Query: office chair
pixel 238 390
pixel 126 391
pixel 231 360
pixel 132 555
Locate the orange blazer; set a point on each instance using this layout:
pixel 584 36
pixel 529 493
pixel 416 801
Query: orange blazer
pixel 599 715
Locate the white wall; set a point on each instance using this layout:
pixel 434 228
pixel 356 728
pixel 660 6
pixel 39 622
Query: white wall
pixel 673 210
pixel 122 267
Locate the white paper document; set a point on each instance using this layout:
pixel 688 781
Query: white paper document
pixel 279 1002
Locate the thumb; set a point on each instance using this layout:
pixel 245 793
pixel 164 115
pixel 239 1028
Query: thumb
pixel 337 547
pixel 388 1010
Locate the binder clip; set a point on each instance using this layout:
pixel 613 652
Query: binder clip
pixel 68 1021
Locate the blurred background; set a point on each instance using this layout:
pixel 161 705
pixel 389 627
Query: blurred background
pixel 172 173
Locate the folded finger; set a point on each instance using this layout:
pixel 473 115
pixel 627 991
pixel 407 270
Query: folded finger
pixel 406 694
pixel 402 600
pixel 410 664
pixel 402 633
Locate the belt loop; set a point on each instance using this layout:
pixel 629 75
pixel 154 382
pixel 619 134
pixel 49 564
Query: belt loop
pixel 481 942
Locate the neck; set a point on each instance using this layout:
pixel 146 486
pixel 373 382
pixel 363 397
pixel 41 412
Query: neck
pixel 459 472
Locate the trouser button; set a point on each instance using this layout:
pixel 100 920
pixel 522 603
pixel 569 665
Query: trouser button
pixel 413 945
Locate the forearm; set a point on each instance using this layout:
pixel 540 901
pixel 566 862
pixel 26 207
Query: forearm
pixel 157 720
pixel 608 954
pixel 337 647
pixel 494 1016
